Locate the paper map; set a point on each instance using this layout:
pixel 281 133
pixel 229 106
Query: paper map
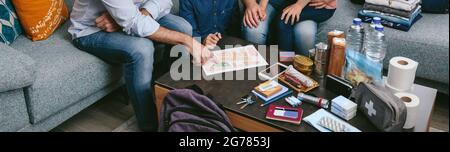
pixel 234 59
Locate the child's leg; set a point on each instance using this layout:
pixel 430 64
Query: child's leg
pixel 305 31
pixel 299 38
pixel 304 36
pixel 285 36
pixel 259 34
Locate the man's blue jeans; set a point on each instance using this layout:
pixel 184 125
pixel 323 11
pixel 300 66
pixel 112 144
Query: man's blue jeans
pixel 136 55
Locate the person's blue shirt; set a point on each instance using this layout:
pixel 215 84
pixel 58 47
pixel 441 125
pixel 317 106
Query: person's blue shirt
pixel 211 16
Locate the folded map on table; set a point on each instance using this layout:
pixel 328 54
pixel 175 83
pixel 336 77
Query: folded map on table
pixel 234 59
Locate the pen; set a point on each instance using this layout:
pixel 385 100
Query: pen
pixel 276 99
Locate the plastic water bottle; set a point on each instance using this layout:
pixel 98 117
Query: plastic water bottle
pixel 354 36
pixel 375 21
pixel 370 30
pixel 376 44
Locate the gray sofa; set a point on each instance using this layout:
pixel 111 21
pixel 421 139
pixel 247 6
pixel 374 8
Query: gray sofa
pixel 44 83
pixel 426 42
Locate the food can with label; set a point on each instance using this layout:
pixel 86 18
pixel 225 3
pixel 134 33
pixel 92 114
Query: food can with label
pixel 321 59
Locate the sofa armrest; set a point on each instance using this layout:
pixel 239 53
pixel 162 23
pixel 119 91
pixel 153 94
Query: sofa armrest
pixel 16 69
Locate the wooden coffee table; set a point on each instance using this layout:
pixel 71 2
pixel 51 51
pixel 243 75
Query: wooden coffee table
pixel 252 118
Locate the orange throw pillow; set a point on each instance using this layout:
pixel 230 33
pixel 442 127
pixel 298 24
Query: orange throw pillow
pixel 40 18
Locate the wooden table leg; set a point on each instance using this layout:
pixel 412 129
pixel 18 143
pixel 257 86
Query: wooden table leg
pixel 160 94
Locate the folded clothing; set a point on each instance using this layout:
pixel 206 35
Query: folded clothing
pixel 391 17
pixel 406 5
pixel 390 24
pixel 384 9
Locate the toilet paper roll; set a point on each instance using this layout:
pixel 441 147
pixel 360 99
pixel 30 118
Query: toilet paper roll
pixel 412 105
pixel 395 90
pixel 401 74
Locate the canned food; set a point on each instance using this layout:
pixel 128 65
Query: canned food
pixel 321 59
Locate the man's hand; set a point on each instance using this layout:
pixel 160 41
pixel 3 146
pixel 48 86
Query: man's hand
pixel 107 23
pixel 200 53
pixel 319 4
pixel 253 14
pixel 211 40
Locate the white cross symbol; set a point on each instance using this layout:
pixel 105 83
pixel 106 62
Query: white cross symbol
pixel 370 110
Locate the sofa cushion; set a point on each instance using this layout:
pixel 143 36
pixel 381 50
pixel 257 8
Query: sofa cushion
pixel 64 76
pixel 16 69
pixel 39 19
pixel 13 111
pixel 426 42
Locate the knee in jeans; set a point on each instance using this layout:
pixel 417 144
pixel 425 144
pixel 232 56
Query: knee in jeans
pixel 256 35
pixel 140 50
pixel 306 29
pixel 186 27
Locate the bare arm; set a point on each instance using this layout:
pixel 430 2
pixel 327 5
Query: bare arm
pixel 292 12
pixel 263 4
pixel 319 4
pixel 303 2
pixel 249 2
pixel 171 37
pixel 200 53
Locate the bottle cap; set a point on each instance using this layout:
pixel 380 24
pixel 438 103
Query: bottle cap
pixel 357 21
pixel 376 20
pixel 379 28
